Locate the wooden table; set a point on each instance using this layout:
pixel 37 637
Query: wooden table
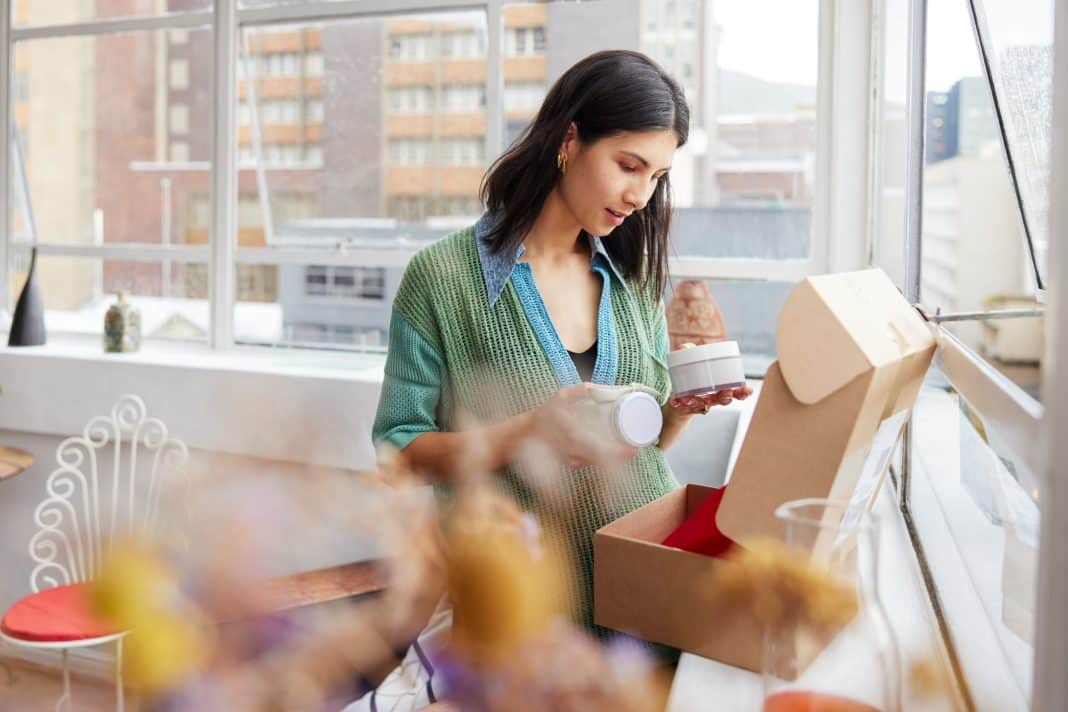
pixel 13 461
pixel 324 585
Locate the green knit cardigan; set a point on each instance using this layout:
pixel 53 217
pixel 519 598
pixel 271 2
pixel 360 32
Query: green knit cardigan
pixel 451 352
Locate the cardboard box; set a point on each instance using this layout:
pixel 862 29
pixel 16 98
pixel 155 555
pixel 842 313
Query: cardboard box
pixel 661 594
pixel 852 358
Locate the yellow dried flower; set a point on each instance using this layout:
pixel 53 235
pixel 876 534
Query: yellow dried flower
pixel 138 592
pixel 781 587
pixel 927 679
pixel 503 589
pixel 132 585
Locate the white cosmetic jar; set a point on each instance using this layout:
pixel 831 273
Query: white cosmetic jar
pixel 630 413
pixel 706 368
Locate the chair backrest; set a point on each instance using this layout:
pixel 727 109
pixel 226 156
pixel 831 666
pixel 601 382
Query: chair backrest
pixel 89 505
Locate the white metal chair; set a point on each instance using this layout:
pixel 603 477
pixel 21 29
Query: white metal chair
pixel 79 521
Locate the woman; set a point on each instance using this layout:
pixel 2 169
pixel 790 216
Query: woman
pixel 500 325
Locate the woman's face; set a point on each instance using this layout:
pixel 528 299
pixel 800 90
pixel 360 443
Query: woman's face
pixel 608 180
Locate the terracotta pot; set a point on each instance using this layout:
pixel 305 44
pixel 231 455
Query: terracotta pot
pixel 693 315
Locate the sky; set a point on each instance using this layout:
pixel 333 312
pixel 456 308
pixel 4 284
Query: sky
pixel 784 47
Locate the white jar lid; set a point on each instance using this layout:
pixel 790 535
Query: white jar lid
pixel 638 419
pixel 704 352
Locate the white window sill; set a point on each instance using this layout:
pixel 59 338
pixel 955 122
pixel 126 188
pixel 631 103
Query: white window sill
pixel 299 405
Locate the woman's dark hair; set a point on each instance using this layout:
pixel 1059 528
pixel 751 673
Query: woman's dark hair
pixel 605 94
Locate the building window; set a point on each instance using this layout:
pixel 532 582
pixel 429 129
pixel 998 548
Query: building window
pixel 525 41
pixel 523 96
pixel 539 40
pixel 463 151
pixel 180 152
pixel 463 45
pixel 411 100
pixel 464 97
pixel 313 64
pixel 412 48
pixel 179 119
pixel 411 151
pixel 345 282
pixel 314 111
pixel 179 74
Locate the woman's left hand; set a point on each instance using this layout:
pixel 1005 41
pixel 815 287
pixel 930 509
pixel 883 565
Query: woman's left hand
pixel 701 404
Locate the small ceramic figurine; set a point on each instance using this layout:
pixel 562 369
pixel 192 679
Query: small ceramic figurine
pixel 122 326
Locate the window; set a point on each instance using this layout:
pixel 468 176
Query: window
pixel 412 100
pixel 463 151
pixel 407 140
pixel 975 252
pixel 411 151
pixel 313 64
pixel 525 41
pixel 412 47
pixel 1022 71
pixel 179 119
pixel 973 493
pixel 179 151
pixel 179 74
pixel 68 148
pixel 463 45
pixel 464 97
pixel 524 96
pixel 345 282
pixel 745 184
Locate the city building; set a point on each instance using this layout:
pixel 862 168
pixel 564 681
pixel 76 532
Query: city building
pixel 960 122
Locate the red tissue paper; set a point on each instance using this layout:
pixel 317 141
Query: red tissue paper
pixel 699 533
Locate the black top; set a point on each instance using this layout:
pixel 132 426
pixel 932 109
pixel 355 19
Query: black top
pixel 585 361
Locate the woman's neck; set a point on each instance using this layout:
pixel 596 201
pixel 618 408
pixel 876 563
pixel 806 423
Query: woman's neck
pixel 555 233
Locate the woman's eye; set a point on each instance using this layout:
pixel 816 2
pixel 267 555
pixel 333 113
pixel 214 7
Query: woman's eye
pixel 627 169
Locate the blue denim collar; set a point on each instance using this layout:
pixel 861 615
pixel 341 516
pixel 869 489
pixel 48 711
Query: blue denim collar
pixel 497 267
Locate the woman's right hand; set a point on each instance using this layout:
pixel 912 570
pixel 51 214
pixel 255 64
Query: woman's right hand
pixel 572 435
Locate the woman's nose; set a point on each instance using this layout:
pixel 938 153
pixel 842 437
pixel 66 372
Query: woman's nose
pixel 632 199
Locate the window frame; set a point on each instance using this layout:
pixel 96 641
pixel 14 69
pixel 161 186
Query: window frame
pixel 1020 421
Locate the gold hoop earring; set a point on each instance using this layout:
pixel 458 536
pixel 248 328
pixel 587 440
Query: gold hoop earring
pixel 561 163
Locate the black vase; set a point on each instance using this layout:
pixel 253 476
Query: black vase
pixel 27 326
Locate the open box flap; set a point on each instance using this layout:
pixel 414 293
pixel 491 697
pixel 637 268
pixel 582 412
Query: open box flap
pixel 835 327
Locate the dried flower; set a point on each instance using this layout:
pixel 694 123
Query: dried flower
pixel 139 592
pixel 781 587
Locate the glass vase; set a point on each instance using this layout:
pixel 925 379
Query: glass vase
pixel 834 651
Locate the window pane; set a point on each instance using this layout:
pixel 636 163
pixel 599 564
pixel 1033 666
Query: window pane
pixel 54 12
pixel 315 305
pixel 975 254
pixel 401 102
pixel 108 153
pixel 744 184
pixel 394 118
pixel 171 296
pixel 1019 35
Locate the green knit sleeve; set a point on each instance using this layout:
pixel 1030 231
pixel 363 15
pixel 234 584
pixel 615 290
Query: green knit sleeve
pixel 411 389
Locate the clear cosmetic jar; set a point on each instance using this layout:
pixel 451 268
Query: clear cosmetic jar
pixel 706 368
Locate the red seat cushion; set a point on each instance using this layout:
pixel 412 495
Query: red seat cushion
pixel 55 615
